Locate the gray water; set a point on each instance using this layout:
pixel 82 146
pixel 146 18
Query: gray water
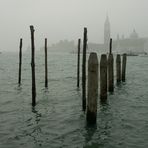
pixel 57 121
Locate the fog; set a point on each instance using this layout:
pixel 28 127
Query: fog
pixel 65 19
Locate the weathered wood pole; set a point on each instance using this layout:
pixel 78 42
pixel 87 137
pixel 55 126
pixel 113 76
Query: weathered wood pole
pixel 118 68
pixel 20 61
pixel 124 59
pixel 103 78
pixel 84 70
pixel 46 66
pixel 110 46
pixel 110 69
pixel 110 73
pixel 92 95
pixel 78 63
pixel 33 66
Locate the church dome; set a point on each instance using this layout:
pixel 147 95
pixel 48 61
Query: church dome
pixel 134 35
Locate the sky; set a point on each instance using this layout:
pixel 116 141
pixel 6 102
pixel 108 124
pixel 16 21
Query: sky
pixel 65 19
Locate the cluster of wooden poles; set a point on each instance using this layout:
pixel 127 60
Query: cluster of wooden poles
pixel 106 77
pixel 33 65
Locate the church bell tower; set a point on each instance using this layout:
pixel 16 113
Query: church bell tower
pixel 106 33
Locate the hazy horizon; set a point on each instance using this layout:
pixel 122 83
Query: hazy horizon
pixel 65 19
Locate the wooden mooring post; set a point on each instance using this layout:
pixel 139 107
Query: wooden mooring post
pixel 78 63
pixel 124 59
pixel 84 70
pixel 103 78
pixel 92 94
pixel 33 66
pixel 110 46
pixel 110 69
pixel 46 66
pixel 118 68
pixel 20 61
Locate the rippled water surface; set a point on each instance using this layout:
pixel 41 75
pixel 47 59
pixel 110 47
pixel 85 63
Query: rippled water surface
pixel 57 121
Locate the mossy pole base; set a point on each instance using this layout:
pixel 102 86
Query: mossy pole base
pixel 33 66
pixel 84 70
pixel 20 61
pixel 103 78
pixel 118 68
pixel 124 59
pixel 92 94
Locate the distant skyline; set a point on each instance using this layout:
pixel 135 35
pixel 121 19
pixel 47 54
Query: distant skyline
pixel 65 19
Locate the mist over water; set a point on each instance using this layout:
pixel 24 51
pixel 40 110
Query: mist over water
pixel 65 19
pixel 58 120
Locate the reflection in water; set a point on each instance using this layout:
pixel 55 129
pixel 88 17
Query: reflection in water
pixel 78 89
pixel 33 127
pixel 78 92
pixel 97 135
pixel 105 118
pixel 119 84
pixel 104 106
pixel 90 130
pixel 45 90
pixel 37 115
pixel 18 88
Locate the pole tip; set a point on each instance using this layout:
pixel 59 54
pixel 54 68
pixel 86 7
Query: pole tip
pixel 31 28
pixel 85 28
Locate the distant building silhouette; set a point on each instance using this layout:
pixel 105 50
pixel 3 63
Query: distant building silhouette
pixel 131 44
pixel 134 35
pixel 62 45
pixel 106 32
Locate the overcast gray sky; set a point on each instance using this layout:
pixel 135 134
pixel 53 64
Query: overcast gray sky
pixel 65 19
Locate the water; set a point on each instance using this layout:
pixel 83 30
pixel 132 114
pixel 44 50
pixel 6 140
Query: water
pixel 58 121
